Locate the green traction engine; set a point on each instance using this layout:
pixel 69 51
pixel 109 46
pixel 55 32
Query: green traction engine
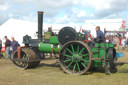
pixel 75 54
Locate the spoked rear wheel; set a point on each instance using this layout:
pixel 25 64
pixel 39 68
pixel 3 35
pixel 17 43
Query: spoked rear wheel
pixel 75 57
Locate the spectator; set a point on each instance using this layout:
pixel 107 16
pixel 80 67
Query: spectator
pixel 127 43
pixel 0 47
pixel 116 41
pixel 123 43
pixel 7 47
pixel 119 40
pixel 111 39
pixel 14 44
pixel 107 39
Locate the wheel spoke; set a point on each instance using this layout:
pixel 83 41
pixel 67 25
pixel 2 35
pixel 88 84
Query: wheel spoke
pixel 81 51
pixel 85 61
pixel 24 56
pixel 69 64
pixel 74 67
pixel 18 62
pixel 67 60
pixel 78 66
pixel 70 51
pixel 72 48
pixel 83 65
pixel 23 64
pixel 67 55
pixel 78 49
pixel 84 55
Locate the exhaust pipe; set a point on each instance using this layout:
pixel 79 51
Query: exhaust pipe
pixel 40 25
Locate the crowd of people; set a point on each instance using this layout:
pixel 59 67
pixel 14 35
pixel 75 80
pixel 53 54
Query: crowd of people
pixel 118 41
pixel 10 46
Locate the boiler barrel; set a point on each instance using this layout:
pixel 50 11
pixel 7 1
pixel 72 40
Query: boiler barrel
pixel 49 48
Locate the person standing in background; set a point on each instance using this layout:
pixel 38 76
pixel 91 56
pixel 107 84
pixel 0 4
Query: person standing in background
pixel 111 39
pixel 123 43
pixel 116 41
pixel 127 43
pixel 7 47
pixel 107 39
pixel 14 44
pixel 0 47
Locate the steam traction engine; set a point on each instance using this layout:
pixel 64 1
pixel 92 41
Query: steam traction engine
pixel 77 57
pixel 75 54
pixel 30 55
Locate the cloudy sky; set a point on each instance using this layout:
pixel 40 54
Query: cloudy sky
pixel 63 11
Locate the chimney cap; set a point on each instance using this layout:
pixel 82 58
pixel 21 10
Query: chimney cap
pixel 40 12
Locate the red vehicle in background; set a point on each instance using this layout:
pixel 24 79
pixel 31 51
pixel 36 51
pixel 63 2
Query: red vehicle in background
pixel 3 52
pixel 3 49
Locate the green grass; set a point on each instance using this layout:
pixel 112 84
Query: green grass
pixel 49 73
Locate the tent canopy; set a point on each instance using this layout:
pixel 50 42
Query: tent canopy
pixel 108 24
pixel 20 28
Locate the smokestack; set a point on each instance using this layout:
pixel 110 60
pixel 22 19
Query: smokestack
pixel 40 25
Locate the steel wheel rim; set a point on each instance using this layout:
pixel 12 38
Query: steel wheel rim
pixel 75 58
pixel 21 64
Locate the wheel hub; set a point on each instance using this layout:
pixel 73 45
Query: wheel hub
pixel 77 57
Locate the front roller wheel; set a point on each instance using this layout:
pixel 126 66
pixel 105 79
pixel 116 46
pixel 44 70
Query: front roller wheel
pixel 27 55
pixel 75 57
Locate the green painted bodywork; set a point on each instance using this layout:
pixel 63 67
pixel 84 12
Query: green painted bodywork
pixel 47 35
pixel 98 52
pixel 54 40
pixel 51 47
pixel 108 45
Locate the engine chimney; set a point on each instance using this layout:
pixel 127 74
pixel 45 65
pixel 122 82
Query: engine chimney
pixel 40 25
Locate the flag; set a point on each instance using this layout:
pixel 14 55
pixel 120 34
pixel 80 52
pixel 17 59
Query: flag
pixel 123 23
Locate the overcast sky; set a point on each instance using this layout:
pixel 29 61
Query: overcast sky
pixel 63 11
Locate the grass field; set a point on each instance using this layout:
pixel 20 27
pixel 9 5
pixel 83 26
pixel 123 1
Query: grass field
pixel 50 73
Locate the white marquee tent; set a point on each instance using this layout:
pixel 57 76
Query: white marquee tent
pixel 108 24
pixel 20 28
